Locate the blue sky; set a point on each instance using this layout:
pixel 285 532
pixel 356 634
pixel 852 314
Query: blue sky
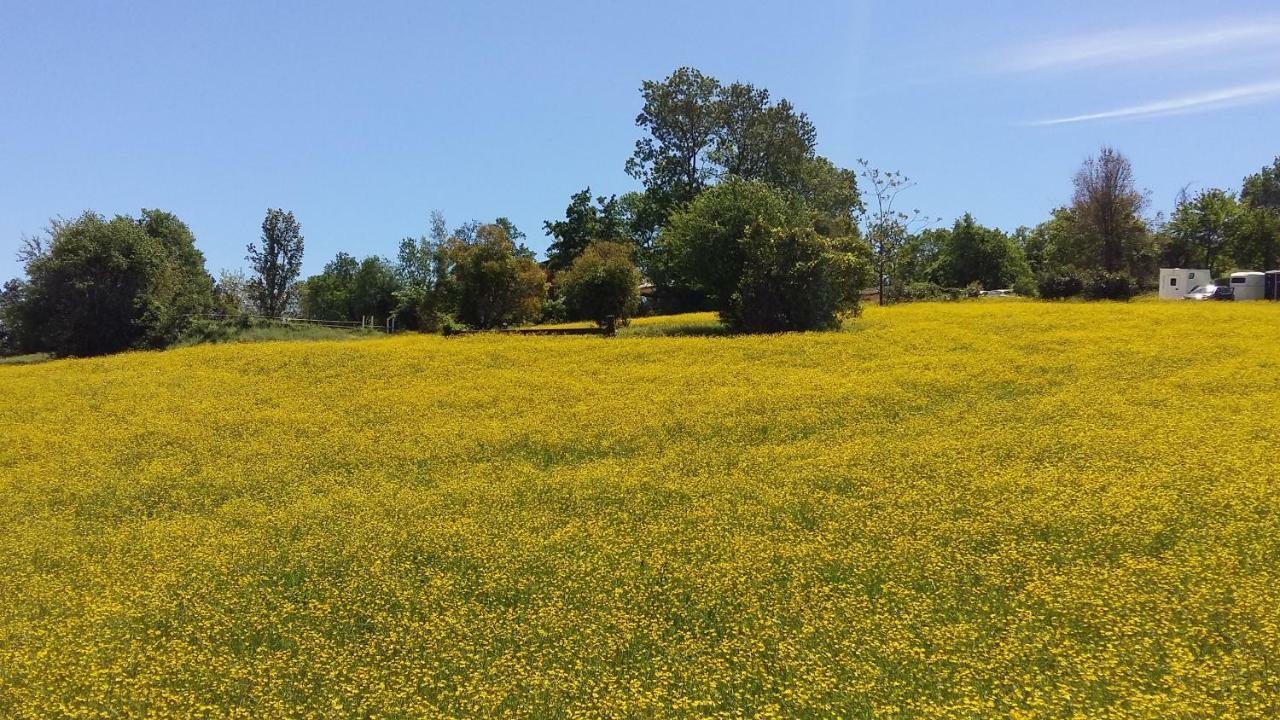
pixel 363 117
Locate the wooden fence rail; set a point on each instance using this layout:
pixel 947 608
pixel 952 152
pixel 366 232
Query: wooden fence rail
pixel 367 323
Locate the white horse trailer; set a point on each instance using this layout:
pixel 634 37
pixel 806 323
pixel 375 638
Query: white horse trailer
pixel 1249 285
pixel 1175 283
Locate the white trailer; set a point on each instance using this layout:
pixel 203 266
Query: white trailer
pixel 1175 283
pixel 1249 285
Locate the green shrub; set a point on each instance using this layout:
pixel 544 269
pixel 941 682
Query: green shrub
pixel 1110 286
pixel 917 291
pixel 555 310
pixel 1025 285
pixel 209 330
pixel 753 251
pixel 795 279
pixel 1059 284
pixel 602 282
pixel 449 325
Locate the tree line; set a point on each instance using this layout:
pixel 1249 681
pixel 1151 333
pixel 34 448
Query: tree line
pixel 736 212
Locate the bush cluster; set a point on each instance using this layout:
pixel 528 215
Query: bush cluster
pixel 933 291
pixel 1102 285
pixel 100 286
pixel 602 282
pixel 754 251
pixel 1091 285
pixel 1059 284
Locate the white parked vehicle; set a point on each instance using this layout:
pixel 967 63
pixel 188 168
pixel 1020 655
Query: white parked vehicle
pixel 1249 285
pixel 1175 283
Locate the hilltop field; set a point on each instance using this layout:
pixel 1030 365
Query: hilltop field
pixel 980 509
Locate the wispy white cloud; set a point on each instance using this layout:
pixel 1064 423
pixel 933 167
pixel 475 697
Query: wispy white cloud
pixel 1141 44
pixel 1214 99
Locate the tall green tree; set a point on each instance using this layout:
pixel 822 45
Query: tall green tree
pixel 760 140
pixel 918 257
pixel 428 293
pixel 1257 238
pixel 642 218
pixel 583 224
pixel 1262 189
pixel 277 263
pixel 1055 244
pixel 348 289
pixel 15 328
pixel 1201 230
pixel 833 192
pixel 970 253
pixel 699 132
pixel 514 233
pixel 498 283
pixel 192 293
pixel 682 117
pixel 373 290
pixel 327 296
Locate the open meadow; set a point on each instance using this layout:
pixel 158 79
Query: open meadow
pixel 979 509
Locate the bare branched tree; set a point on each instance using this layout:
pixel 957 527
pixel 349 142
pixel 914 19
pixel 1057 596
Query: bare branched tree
pixel 885 227
pixel 30 248
pixel 1109 207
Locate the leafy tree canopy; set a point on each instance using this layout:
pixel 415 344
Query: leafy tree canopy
pixel 700 131
pixel 970 253
pixel 583 224
pixel 498 281
pixel 276 264
pixel 1262 189
pixel 348 289
pixel 100 286
pixel 1200 232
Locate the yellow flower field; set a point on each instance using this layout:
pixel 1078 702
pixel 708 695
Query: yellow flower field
pixel 984 509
